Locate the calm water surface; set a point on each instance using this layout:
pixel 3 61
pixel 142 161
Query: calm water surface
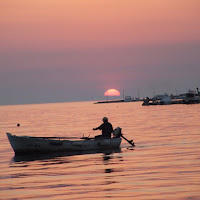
pixel 165 164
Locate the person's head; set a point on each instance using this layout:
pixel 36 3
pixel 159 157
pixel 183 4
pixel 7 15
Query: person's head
pixel 105 119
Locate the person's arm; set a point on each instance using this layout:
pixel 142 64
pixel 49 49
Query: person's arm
pixel 111 128
pixel 100 128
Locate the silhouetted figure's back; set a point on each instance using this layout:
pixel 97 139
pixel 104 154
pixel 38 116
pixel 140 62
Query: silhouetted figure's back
pixel 106 128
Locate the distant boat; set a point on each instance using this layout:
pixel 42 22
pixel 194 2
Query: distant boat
pixel 128 99
pixel 162 99
pixel 27 144
pixel 191 97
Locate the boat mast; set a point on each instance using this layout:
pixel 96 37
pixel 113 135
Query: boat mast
pixel 138 93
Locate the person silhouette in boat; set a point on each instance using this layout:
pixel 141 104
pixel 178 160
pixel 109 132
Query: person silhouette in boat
pixel 106 128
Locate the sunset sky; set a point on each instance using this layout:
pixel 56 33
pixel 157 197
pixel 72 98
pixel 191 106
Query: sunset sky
pixel 75 50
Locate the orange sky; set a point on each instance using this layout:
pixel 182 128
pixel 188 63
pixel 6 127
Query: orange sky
pixel 49 49
pixel 93 23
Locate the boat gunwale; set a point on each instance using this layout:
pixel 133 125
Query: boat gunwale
pixel 38 144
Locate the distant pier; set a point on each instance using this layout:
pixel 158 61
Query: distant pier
pixel 110 101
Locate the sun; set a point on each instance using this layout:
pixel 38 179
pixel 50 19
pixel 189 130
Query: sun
pixel 112 92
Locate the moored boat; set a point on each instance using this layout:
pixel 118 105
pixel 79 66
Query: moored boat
pixel 191 97
pixel 27 144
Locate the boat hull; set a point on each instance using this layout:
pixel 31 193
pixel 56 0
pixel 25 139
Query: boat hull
pixel 26 144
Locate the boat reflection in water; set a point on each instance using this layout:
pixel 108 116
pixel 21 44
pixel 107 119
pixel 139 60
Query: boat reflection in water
pixel 52 155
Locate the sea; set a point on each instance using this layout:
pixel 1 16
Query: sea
pixel 164 164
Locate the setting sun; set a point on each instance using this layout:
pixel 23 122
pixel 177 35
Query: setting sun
pixel 112 92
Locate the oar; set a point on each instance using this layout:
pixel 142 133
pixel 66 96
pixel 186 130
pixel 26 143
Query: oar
pixel 129 141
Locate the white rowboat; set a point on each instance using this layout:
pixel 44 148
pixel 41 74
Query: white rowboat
pixel 27 144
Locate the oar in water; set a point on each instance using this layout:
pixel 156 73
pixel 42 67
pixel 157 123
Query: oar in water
pixel 129 141
pixel 117 133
